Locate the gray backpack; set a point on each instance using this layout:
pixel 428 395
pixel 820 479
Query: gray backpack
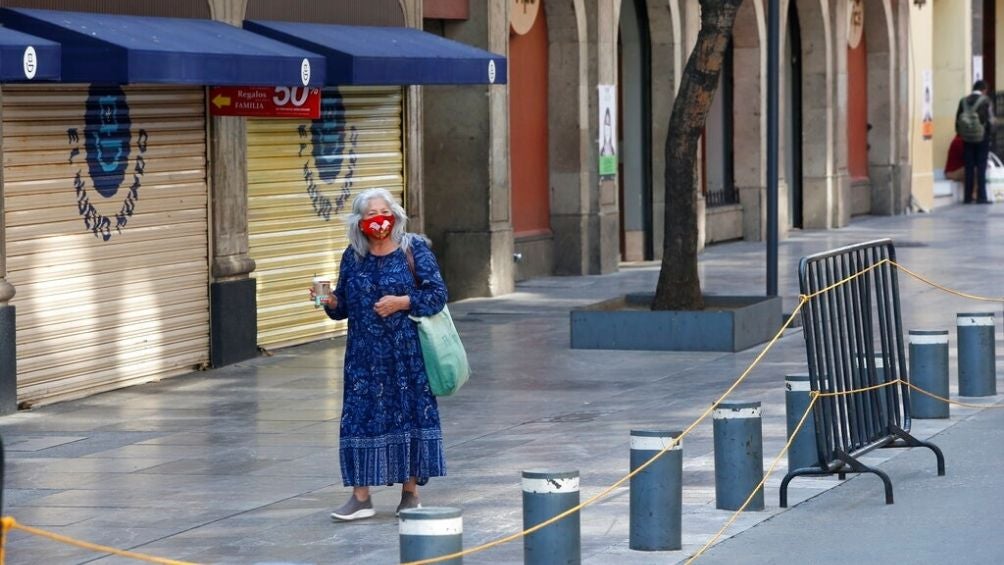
pixel 968 124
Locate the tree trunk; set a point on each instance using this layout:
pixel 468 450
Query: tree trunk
pixel 679 285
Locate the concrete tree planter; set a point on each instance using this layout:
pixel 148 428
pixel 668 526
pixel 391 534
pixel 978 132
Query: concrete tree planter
pixel 728 323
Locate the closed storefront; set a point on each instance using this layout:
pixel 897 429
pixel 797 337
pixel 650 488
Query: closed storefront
pixel 302 177
pixel 106 235
pixel 119 215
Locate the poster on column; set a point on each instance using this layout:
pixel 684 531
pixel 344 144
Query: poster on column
pixel 608 131
pixel 926 110
pixel 977 67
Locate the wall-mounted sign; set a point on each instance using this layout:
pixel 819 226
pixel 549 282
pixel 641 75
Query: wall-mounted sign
pixel 608 131
pixel 855 22
pixel 265 101
pixel 522 14
pixel 977 67
pixel 926 107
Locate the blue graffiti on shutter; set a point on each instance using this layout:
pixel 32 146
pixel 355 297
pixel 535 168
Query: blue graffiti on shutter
pixel 333 148
pixel 107 147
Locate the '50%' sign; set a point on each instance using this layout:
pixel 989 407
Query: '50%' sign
pixel 265 101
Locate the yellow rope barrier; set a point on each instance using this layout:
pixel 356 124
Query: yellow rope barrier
pixel 848 279
pixel 770 471
pixel 949 400
pixel 5 525
pixel 803 300
pixel 10 523
pixel 857 390
pixel 959 293
pixel 605 492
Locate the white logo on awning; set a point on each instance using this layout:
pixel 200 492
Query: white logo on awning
pixel 30 62
pixel 305 72
pixel 491 71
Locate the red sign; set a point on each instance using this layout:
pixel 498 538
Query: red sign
pixel 265 101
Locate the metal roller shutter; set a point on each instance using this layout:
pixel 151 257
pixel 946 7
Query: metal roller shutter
pixel 302 176
pixel 106 213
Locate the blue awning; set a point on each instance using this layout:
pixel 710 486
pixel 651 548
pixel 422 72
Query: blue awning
pixel 117 49
pixel 367 55
pixel 25 57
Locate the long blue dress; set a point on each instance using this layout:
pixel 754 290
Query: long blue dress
pixel 390 428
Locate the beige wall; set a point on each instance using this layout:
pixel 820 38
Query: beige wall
pixel 999 71
pixel 953 68
pixel 922 151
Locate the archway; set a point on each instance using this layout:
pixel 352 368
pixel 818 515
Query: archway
pixel 748 117
pixel 664 24
pixel 816 100
pixel 568 127
pixel 528 145
pixel 791 116
pixel 881 107
pixel 635 142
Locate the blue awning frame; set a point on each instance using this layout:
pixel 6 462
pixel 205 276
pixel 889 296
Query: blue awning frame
pixel 374 56
pixel 25 58
pixel 119 49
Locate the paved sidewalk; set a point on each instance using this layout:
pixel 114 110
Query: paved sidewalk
pixel 239 465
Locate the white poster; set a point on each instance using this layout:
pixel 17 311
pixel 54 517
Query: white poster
pixel 977 67
pixel 926 105
pixel 608 131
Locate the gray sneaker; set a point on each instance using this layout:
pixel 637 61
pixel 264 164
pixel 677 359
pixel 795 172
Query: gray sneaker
pixel 408 500
pixel 354 510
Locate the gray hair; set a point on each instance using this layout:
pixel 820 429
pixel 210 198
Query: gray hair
pixel 357 239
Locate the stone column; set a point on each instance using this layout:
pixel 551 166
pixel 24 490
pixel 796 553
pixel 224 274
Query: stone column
pixel 413 146
pixel 583 55
pixel 819 120
pixel 233 310
pixel 902 162
pixel 8 327
pixel 607 223
pixel 667 45
pixel 842 197
pixel 466 196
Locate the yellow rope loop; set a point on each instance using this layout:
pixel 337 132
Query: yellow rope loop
pixel 949 400
pixel 857 390
pixel 959 293
pixel 849 278
pixel 9 522
pixel 6 523
pixel 770 471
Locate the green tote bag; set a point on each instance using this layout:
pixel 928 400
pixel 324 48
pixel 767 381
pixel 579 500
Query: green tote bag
pixel 444 355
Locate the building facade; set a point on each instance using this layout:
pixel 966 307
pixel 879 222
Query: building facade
pixel 147 231
pixel 845 131
pixel 186 239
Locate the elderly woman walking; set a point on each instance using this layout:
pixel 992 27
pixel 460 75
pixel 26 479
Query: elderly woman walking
pixel 390 430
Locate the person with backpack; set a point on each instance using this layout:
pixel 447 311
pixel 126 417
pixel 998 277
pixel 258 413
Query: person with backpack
pixel 974 122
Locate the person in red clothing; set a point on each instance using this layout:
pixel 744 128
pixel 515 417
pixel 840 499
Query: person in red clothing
pixel 955 165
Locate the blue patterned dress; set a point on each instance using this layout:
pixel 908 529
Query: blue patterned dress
pixel 390 421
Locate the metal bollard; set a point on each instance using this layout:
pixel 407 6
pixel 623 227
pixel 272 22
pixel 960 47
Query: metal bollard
pixel 656 492
pixel 802 452
pixel 738 455
pixel 426 533
pixel 545 495
pixel 977 363
pixel 929 371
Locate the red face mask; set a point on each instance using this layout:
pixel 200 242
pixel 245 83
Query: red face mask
pixel 377 227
